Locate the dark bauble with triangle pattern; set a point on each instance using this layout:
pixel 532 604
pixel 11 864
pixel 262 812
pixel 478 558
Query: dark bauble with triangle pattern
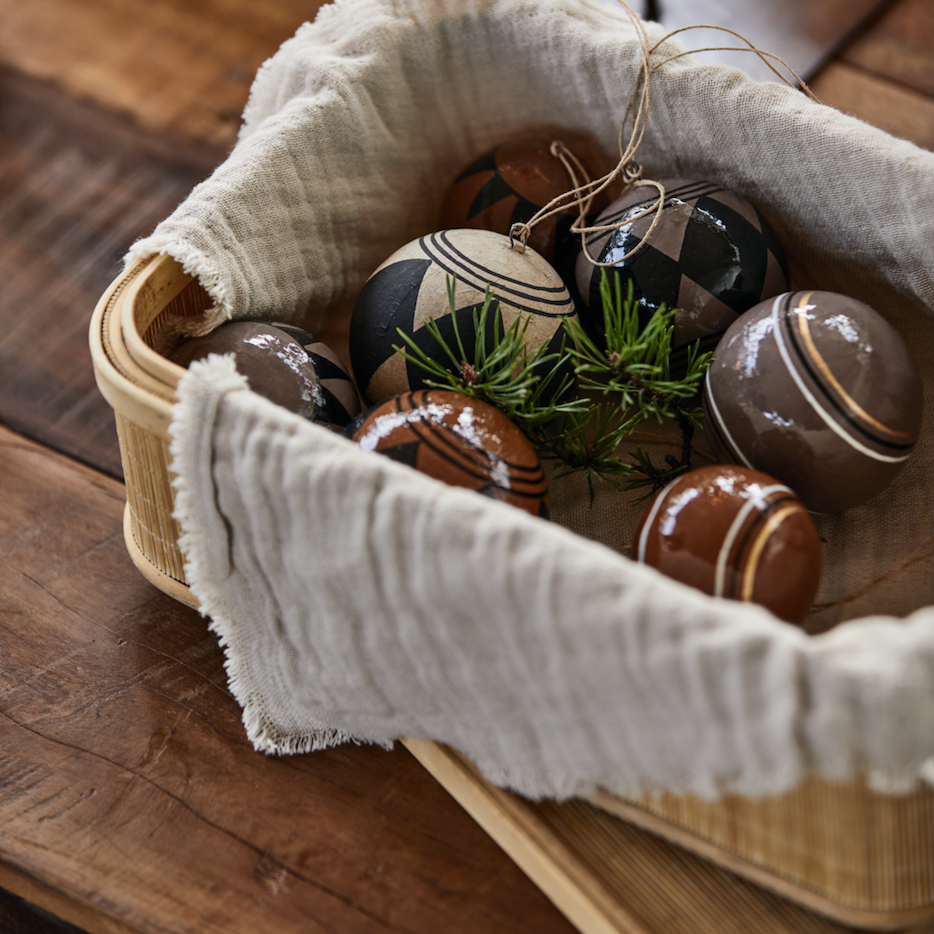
pixel 712 255
pixel 509 184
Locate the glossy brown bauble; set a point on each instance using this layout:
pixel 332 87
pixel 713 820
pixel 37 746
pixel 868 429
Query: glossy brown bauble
pixel 711 255
pixel 285 364
pixel 459 440
pixel 508 185
pixel 818 390
pixel 735 533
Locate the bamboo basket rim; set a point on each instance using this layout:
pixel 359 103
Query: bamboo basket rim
pixel 143 394
pixel 161 371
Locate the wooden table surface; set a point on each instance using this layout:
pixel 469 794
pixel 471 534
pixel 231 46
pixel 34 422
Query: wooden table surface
pixel 130 799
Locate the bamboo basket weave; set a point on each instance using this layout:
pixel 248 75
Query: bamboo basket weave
pixel 861 858
pixel 140 386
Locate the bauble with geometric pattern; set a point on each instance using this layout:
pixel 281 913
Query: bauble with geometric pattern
pixel 411 288
pixel 712 255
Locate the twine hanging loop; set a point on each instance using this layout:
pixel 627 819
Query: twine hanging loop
pixel 628 172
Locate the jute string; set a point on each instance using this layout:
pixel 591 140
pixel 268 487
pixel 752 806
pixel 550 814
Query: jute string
pixel 582 193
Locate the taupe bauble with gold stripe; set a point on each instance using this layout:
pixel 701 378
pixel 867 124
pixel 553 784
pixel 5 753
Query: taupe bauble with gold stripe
pixel 818 390
pixel 735 533
pixel 411 287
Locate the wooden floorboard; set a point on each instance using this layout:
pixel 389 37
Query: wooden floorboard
pixel 177 67
pixel 892 107
pixel 126 779
pixel 898 47
pixel 78 185
pixel 17 916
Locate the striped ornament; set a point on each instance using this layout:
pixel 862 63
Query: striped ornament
pixel 735 533
pixel 459 440
pixel 410 288
pixel 819 390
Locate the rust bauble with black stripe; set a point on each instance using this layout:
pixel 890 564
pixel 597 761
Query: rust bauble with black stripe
pixel 736 533
pixel 818 390
pixel 459 440
pixel 411 288
pixel 285 364
pixel 711 255
pixel 509 185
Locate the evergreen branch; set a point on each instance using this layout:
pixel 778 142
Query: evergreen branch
pixel 621 384
pixel 527 385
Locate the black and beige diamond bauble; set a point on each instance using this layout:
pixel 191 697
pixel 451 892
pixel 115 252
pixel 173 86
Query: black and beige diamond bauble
pixel 711 255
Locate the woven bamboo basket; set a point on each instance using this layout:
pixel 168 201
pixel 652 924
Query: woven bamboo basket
pixel 140 386
pixel 861 858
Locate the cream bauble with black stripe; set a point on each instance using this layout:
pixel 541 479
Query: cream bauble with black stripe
pixel 411 287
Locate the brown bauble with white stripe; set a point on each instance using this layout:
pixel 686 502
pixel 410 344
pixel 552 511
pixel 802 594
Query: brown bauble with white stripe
pixel 818 390
pixel 411 288
pixel 735 533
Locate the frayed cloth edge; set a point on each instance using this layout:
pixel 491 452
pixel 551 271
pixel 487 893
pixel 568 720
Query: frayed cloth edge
pixel 193 262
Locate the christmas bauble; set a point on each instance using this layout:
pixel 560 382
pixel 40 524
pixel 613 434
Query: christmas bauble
pixel 818 390
pixel 462 441
pixel 411 288
pixel 284 364
pixel 736 533
pixel 509 185
pixel 338 400
pixel 711 255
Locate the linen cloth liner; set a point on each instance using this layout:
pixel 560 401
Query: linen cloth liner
pixel 357 599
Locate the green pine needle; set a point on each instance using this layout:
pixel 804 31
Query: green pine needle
pixel 619 386
pixel 527 385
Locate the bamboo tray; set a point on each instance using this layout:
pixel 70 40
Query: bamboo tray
pixel 859 858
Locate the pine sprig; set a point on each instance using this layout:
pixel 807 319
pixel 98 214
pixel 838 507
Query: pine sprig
pixel 635 362
pixel 621 384
pixel 528 385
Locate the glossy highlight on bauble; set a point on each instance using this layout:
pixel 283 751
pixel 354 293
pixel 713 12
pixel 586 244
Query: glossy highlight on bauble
pixel 285 364
pixel 735 533
pixel 712 255
pixel 461 441
pixel 818 390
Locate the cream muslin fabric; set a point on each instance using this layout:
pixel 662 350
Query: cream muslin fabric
pixel 357 599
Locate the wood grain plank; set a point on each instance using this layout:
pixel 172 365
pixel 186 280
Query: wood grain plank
pixel 77 186
pixel 127 784
pixel 177 67
pixel 17 916
pixel 898 47
pixel 805 34
pixel 891 107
